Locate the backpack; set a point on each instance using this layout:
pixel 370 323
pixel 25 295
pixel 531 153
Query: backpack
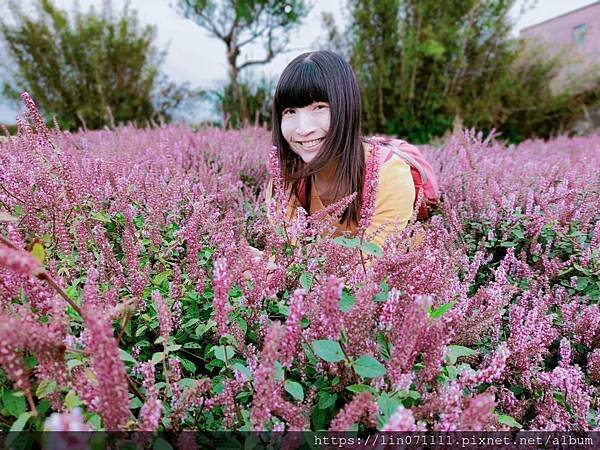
pixel 422 173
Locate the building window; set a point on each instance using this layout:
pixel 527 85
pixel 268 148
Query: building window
pixel 579 35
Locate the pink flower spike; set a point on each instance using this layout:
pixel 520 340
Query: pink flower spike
pixel 20 262
pixel 221 286
pixel 164 316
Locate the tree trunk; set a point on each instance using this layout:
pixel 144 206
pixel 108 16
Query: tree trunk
pixel 232 55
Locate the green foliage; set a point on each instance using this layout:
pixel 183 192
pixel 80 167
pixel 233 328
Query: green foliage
pixel 254 98
pixel 88 69
pixel 576 279
pixel 425 67
pixel 456 351
pixel 368 367
pixel 328 350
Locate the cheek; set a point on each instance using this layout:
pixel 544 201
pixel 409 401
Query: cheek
pixel 326 120
pixel 286 128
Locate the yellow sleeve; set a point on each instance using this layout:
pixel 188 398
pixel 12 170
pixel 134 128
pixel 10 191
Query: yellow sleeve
pixel 394 200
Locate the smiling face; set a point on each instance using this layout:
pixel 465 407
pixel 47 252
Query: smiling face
pixel 305 128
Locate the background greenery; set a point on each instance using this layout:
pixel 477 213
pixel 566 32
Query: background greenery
pixel 424 67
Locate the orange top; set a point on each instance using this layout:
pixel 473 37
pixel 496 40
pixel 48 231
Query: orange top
pixel 394 199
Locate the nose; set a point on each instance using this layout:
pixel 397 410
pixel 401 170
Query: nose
pixel 305 123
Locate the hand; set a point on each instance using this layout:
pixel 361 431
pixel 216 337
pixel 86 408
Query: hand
pixel 257 255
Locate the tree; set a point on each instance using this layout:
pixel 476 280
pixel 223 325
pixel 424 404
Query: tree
pixel 414 57
pixel 87 68
pixel 424 65
pixel 241 23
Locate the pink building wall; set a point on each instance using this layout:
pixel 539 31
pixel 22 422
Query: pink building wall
pixel 562 30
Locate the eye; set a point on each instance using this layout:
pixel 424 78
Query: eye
pixel 321 106
pixel 288 111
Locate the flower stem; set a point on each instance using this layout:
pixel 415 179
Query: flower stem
pixel 45 276
pixel 29 398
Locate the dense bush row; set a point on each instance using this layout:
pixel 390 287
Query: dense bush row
pixel 141 306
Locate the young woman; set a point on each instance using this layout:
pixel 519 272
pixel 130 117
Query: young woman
pixel 322 153
pixel 321 150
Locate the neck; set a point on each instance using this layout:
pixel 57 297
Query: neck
pixel 324 179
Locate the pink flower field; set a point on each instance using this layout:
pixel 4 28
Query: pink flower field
pixel 130 298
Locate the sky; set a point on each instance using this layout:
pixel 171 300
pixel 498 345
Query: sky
pixel 194 56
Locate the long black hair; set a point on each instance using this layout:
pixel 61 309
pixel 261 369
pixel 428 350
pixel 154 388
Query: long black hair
pixel 323 76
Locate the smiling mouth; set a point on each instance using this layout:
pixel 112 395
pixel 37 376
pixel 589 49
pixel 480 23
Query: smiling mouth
pixel 311 144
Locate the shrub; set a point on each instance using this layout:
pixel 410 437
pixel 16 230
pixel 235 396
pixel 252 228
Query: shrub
pixel 144 307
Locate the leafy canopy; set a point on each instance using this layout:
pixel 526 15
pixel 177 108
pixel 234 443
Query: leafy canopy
pixel 87 68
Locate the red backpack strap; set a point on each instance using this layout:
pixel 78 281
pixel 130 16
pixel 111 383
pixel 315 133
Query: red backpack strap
pixel 408 159
pixel 302 193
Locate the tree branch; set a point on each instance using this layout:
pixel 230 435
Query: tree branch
pixel 266 59
pixel 253 36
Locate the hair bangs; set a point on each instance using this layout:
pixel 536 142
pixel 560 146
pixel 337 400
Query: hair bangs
pixel 303 85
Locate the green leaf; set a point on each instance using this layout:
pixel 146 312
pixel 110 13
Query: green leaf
pixel 135 403
pixel 508 420
pixel 368 367
pixel 19 424
pixel 242 323
pixel 432 48
pixel 45 387
pixel 294 389
pixel 219 351
pixel 15 405
pixel 452 372
pixel 347 242
pixel 441 310
pixel 326 399
pixel 387 406
pixel 347 301
pixel 38 252
pixel 456 351
pixel 384 294
pixel 251 441
pixel 157 357
pixel 284 309
pixel 582 283
pixel 18 210
pixel 173 348
pixel 71 363
pixel 508 244
pixel 158 279
pixel 371 248
pixel 126 357
pixel 306 281
pixel 415 395
pixel 101 216
pixel 161 444
pixel 204 327
pixel 328 350
pixel 191 345
pixel 518 233
pixel 242 369
pixel 358 388
pixel 187 364
pixel 279 371
pixel 72 400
